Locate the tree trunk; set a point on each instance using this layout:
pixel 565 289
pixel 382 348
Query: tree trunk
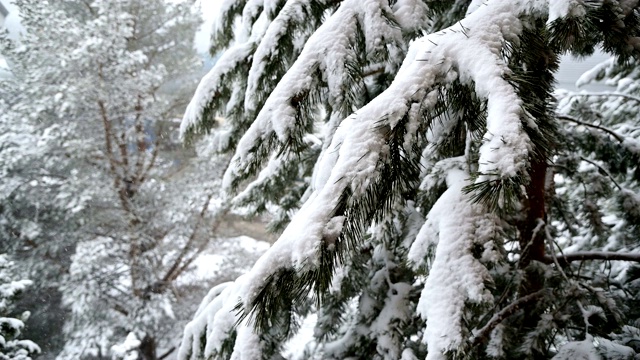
pixel 532 232
pixel 148 348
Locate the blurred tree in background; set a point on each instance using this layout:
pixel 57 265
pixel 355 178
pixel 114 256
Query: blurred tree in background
pixel 103 206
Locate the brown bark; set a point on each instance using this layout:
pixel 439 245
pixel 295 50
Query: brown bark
pixel 148 348
pixel 532 245
pixel 532 233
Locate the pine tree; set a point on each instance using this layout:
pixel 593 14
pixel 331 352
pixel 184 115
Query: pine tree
pixel 100 206
pixel 599 128
pixel 434 201
pixel 11 346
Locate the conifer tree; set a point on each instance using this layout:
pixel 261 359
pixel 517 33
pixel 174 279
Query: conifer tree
pixel 93 201
pixel 12 346
pixel 434 201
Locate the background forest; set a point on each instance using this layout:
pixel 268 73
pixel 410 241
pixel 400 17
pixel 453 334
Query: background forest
pixel 119 227
pixel 433 192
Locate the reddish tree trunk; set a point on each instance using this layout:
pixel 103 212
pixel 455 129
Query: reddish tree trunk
pixel 532 232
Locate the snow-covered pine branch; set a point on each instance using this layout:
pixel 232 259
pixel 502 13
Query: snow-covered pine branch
pixel 360 139
pixel 476 94
pixel 455 228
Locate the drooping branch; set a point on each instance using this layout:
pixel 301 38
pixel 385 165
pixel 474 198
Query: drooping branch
pixel 565 259
pixel 602 170
pixel 608 94
pixel 574 120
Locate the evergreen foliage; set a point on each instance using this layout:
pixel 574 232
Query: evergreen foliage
pixel 11 346
pixel 99 204
pixel 442 201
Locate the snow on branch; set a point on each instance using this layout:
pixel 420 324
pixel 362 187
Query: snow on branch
pixel 470 49
pixel 608 94
pixel 217 323
pixel 222 34
pixel 596 73
pixel 602 128
pixel 211 87
pixel 455 228
pixel 470 52
pixel 295 16
pixel 327 61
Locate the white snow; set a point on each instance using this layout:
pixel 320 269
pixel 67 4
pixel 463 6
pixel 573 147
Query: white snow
pixel 453 227
pixel 411 14
pixel 214 319
pixel 211 83
pixel 578 350
pixel 328 51
pixel 565 8
pixel 470 52
pixel 592 75
pixel 11 324
pixel 126 350
pixel 396 310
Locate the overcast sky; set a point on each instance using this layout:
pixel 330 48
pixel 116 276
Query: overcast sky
pixel 11 22
pixel 209 9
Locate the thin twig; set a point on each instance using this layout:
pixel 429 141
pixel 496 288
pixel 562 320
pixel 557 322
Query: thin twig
pixel 593 255
pixel 579 122
pixel 553 254
pixel 174 271
pixel 482 334
pixel 607 94
pixel 373 71
pixel 604 171
pixel 167 353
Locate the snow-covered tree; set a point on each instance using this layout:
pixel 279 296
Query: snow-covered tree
pixel 435 202
pixel 597 198
pixel 11 346
pixel 93 184
pixel 37 226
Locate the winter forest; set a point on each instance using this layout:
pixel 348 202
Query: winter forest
pixel 328 179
